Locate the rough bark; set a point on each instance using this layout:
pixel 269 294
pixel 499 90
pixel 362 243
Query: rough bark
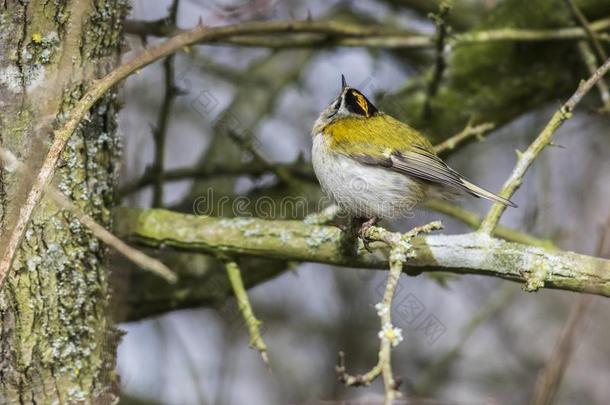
pixel 56 343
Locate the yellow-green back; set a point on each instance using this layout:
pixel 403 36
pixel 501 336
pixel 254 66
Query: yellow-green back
pixel 374 136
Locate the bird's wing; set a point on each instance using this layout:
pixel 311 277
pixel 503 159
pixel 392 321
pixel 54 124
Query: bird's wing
pixel 406 151
pixel 421 163
pixel 386 142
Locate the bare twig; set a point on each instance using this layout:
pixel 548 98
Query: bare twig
pixel 589 59
pixel 243 303
pixel 134 255
pixel 499 300
pixel 439 48
pixel 549 378
pixel 580 18
pixel 592 54
pixel 526 159
pixel 476 131
pixel 280 171
pixel 527 35
pixel 252 169
pixel 400 252
pixel 320 33
pixel 160 131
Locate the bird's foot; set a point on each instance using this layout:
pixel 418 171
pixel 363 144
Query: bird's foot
pixel 362 232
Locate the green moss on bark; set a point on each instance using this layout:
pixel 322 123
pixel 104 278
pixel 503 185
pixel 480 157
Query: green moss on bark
pixel 498 81
pixel 57 344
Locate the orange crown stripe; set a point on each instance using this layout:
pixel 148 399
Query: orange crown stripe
pixel 362 102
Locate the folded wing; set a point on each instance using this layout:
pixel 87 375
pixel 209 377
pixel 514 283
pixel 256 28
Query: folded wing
pixel 421 163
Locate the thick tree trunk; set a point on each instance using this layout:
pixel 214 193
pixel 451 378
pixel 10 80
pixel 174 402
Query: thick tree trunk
pixel 56 342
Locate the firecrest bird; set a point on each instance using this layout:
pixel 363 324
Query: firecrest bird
pixel 374 166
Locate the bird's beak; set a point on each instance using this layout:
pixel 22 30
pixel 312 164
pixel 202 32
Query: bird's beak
pixel 343 82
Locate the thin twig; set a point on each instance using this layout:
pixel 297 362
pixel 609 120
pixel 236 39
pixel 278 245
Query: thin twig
pixel 592 53
pixel 243 303
pixel 160 131
pixel 476 131
pixel 589 59
pixel 580 18
pixel 439 48
pixel 252 169
pixel 320 33
pixel 549 378
pixel 526 159
pixel 134 255
pixel 390 336
pixel 499 300
pixel 280 171
pixel 531 35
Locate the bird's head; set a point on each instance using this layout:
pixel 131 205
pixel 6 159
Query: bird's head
pixel 349 103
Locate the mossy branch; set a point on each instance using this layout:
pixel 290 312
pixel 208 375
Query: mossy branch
pixel 471 253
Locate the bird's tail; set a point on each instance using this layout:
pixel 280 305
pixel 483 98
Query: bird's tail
pixel 480 192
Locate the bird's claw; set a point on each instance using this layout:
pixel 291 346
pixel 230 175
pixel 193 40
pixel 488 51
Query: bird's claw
pixel 362 233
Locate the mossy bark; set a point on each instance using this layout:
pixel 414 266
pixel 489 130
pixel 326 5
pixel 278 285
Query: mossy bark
pixel 56 341
pixel 498 81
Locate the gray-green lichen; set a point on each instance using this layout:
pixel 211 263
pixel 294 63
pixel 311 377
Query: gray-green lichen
pixel 53 308
pixel 105 33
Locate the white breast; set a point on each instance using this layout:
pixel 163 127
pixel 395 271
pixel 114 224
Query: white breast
pixel 362 190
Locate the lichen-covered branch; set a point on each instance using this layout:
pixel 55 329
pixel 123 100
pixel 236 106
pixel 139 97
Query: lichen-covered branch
pixel 473 221
pixel 472 253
